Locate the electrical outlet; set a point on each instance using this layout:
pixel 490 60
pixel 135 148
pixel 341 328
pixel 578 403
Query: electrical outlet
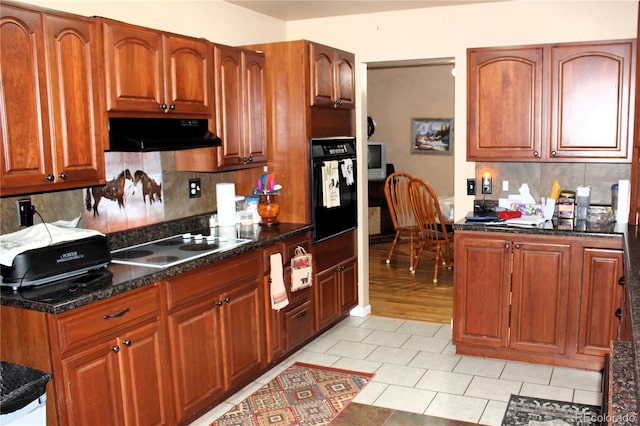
pixel 195 191
pixel 25 212
pixel 487 185
pixel 505 185
pixel 471 187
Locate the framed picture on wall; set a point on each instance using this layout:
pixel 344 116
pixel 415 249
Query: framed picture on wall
pixel 431 136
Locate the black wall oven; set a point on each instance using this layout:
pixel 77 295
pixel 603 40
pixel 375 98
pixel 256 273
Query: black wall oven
pixel 334 207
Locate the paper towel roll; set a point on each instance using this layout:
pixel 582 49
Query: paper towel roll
pixel 624 197
pixel 226 202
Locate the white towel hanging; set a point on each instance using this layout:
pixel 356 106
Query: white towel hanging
pixel 279 297
pixel 330 184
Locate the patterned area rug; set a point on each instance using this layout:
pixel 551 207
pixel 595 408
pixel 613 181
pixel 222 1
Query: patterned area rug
pixel 303 394
pixel 524 410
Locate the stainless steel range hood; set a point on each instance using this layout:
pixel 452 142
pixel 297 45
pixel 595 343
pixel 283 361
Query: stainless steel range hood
pixel 159 134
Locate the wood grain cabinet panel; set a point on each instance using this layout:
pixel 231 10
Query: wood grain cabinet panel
pixel 151 72
pixel 241 117
pixel 536 298
pixel 332 77
pixel 561 102
pixel 51 128
pixel 600 298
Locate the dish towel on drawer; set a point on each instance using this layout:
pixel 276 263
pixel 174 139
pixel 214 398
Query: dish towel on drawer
pixel 279 297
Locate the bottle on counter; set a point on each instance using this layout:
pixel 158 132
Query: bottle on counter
pixel 566 205
pixel 614 199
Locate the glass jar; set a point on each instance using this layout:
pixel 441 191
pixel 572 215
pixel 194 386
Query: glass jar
pixel 269 208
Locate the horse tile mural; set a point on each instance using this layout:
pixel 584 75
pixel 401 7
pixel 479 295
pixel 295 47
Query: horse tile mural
pixel 132 196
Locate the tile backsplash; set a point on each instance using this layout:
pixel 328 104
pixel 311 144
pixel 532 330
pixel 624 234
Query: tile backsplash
pixel 539 176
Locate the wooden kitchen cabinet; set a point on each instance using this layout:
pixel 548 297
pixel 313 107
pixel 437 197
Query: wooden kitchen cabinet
pixel 51 126
pixel 150 72
pixel 600 298
pixel 216 330
pixel 536 103
pixel 511 293
pixel 293 325
pixel 536 298
pixel 336 279
pixel 241 115
pixel 332 77
pixel 111 363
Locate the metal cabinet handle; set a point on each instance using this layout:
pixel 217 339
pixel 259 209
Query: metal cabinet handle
pixel 227 299
pixel 127 342
pixel 163 107
pixel 619 313
pixel 63 175
pixel 117 314
pixel 622 281
pixel 517 246
pixel 50 177
pixel 218 302
pixel 301 315
pixel 553 153
pixel 172 107
pixel 507 246
pixel 536 154
pixel 115 348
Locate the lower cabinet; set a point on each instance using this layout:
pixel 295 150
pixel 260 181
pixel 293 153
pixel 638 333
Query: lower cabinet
pixel 336 279
pixel 292 326
pixel 536 298
pixel 112 365
pixel 216 330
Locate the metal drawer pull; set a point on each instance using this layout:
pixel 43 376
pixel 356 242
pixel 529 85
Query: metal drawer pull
pixel 301 315
pixel 117 314
pixel 127 342
pixel 115 348
pixel 622 281
pixel 619 313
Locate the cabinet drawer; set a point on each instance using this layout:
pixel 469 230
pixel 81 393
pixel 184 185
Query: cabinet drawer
pixel 107 317
pixel 193 285
pixel 298 324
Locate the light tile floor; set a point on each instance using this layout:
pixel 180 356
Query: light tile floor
pixel 416 370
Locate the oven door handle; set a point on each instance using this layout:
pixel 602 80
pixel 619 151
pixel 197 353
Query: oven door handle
pixel 117 314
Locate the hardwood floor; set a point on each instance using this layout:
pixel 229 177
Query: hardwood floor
pixel 397 293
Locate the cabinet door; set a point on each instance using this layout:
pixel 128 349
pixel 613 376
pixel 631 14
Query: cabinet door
pixel 229 105
pixel 345 80
pixel 482 283
pixel 505 104
pixel 255 103
pixel 600 297
pixel 196 355
pixel 24 125
pixel 591 98
pixel 134 67
pixel 93 388
pixel 322 75
pixel 77 118
pixel 540 296
pixel 189 67
pixel 242 332
pixel 348 285
pixel 327 297
pixel 143 367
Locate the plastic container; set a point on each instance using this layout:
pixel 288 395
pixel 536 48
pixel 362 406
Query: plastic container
pixel 566 205
pixel 583 199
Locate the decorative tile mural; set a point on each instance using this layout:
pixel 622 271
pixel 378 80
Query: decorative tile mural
pixel 133 195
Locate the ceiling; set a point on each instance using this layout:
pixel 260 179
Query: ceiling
pixel 291 10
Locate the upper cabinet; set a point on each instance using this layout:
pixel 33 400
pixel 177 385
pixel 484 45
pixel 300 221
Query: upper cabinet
pixel 332 77
pixel 561 102
pixel 240 114
pixel 51 124
pixel 151 72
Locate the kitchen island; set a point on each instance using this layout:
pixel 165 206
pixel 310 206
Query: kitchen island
pixel 549 245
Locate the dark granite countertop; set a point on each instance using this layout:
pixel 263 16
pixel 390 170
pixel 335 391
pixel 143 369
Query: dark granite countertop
pixel 126 277
pixel 625 364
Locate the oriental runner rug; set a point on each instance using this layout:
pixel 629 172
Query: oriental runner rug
pixel 524 410
pixel 303 394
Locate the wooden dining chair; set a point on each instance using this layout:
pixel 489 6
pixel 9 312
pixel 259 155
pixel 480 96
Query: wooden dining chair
pixel 396 191
pixel 434 233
